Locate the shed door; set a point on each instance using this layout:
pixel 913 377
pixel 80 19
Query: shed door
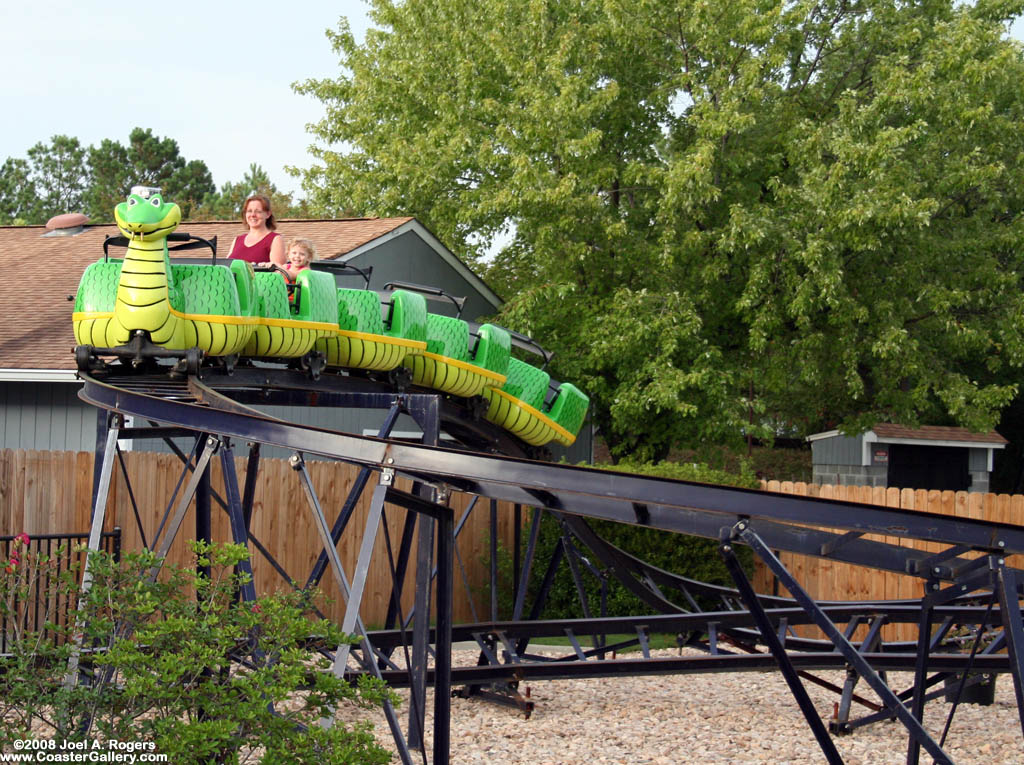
pixel 929 467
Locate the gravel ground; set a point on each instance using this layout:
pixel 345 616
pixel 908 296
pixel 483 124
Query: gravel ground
pixel 712 718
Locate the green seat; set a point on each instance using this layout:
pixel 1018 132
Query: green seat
pixel 527 383
pixel 370 345
pixel 569 409
pixel 208 290
pixel 97 290
pixel 272 295
pixel 359 311
pixel 448 337
pixel 407 316
pixel 317 297
pixel 243 274
pixel 493 349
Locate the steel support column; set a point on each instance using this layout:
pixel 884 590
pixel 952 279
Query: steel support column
pixel 252 470
pixel 421 626
pixel 443 639
pixel 236 517
pixel 1009 582
pixel 494 559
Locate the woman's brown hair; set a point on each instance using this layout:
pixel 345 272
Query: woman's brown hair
pixel 264 200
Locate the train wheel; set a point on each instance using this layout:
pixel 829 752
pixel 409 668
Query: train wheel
pixel 83 357
pixel 478 406
pixel 401 378
pixel 193 361
pixel 313 363
pixel 229 362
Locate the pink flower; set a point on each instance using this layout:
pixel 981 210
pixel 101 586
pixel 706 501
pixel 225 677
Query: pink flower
pixel 23 538
pixel 256 608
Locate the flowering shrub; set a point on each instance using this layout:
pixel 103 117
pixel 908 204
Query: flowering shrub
pixel 14 557
pixel 183 663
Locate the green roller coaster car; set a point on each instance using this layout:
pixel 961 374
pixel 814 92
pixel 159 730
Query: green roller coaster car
pixel 144 303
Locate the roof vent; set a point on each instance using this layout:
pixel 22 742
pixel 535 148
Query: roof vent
pixel 67 224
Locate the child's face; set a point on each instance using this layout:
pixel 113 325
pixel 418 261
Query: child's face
pixel 298 256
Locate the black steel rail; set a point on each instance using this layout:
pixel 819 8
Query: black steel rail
pixel 669 504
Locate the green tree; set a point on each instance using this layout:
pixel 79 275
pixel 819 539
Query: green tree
pixel 147 160
pixel 724 218
pixel 226 204
pixel 18 199
pixel 58 175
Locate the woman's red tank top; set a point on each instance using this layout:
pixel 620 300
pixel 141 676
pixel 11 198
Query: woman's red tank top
pixel 258 253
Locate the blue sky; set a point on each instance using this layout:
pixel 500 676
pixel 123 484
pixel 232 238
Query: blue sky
pixel 216 79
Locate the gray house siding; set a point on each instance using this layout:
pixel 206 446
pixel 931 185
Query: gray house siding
pixel 977 460
pixel 977 466
pixel 841 450
pixel 45 416
pixel 407 258
pixel 49 416
pixel 838 460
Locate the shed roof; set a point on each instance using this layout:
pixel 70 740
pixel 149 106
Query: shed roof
pixel 886 432
pixel 890 432
pixel 42 271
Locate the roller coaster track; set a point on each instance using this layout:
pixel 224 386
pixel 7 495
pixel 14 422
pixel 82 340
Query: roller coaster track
pixel 967 582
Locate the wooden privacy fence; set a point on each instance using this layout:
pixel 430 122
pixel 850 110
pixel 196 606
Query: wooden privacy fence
pixel 44 492
pixel 50 492
pixel 834 580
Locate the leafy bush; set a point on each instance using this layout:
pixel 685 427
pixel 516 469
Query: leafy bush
pixel 182 662
pixel 693 557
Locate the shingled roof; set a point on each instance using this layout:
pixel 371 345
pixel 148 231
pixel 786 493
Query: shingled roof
pixel 889 433
pixel 40 272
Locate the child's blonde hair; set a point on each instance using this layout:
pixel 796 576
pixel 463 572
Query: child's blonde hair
pixel 305 244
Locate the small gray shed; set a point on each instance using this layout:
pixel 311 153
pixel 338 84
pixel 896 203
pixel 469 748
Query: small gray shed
pixel 929 457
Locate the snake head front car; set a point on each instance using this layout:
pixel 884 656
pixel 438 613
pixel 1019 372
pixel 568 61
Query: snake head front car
pixel 145 215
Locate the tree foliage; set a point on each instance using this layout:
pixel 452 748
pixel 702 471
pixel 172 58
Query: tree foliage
pixel 724 218
pixel 57 177
pixel 63 176
pixel 226 204
pixel 147 160
pixel 18 200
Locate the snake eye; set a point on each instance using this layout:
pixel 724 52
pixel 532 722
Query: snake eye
pixel 132 201
pixel 155 201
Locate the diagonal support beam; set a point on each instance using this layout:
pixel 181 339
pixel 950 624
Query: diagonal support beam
pixel 211 448
pixel 743 531
pixel 777 649
pixel 345 515
pixel 101 490
pixel 342 581
pixel 355 597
